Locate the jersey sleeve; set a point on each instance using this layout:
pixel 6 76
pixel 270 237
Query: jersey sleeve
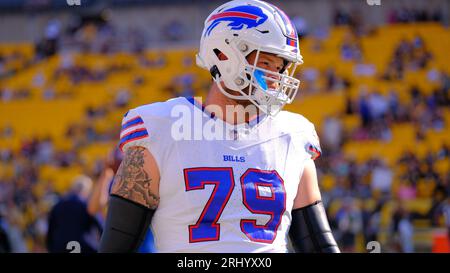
pixel 312 142
pixel 133 131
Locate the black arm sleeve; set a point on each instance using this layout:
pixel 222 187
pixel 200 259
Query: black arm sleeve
pixel 310 230
pixel 126 225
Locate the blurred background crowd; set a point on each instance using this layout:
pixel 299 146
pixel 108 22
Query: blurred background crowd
pixel 375 83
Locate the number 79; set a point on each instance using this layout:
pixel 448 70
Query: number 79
pixel 207 229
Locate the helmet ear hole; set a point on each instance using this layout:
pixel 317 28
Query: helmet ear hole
pixel 220 55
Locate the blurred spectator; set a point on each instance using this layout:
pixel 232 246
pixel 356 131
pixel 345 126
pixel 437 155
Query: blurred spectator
pixel 438 205
pixel 69 220
pixel 6 94
pixel 38 79
pixel 362 69
pixel 378 106
pixel 333 81
pixel 446 215
pixel 351 49
pixel 349 220
pixel 364 108
pixel 408 56
pixel 5 245
pixel 48 94
pixel 341 17
pixel 98 200
pixel 13 228
pixel 381 179
pixel 403 230
pixel 122 98
pixel 371 222
pixel 408 15
pixel 332 133
pixel 394 104
pixel 433 75
pixel 406 232
pixel 48 45
pixel 301 25
pixel 406 191
pixel 7 131
pixel 309 77
pixel 173 31
pixel 44 153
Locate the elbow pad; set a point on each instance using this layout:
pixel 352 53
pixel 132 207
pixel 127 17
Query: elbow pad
pixel 126 225
pixel 310 230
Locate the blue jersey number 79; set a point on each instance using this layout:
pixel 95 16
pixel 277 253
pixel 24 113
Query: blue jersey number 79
pixel 263 192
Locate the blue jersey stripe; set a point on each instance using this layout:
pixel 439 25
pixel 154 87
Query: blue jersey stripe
pixel 132 122
pixel 136 134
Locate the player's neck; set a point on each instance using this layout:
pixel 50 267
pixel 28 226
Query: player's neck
pixel 217 98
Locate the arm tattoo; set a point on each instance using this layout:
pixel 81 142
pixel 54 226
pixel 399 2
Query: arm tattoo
pixel 132 181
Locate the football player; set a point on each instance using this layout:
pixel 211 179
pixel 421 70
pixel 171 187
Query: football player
pixel 254 192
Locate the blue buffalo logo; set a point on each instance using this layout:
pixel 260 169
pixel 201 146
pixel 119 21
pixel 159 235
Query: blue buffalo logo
pixel 249 16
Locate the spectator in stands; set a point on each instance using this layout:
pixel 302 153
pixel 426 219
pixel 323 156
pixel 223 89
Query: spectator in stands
pixel 5 245
pixel 364 69
pixel 44 153
pixel 406 191
pixel 444 152
pixel 122 98
pixel 69 220
pixel 439 202
pixel 446 215
pixel 13 230
pixel 351 49
pixel 7 131
pixel 393 104
pixel 378 106
pixel 405 232
pixel 332 133
pixel 333 81
pixel 371 222
pixel 364 108
pixel 48 94
pixel 6 94
pixel 98 200
pixel 381 177
pixel 2 65
pixel 400 214
pixel 48 46
pixel 406 15
pixel 173 31
pixel 309 77
pixel 301 25
pixel 349 220
pixel 158 60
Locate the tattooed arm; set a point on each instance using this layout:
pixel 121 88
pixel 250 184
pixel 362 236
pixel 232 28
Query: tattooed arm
pixel 137 178
pixel 133 201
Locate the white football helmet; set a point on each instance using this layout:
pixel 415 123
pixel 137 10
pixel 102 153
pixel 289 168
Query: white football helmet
pixel 238 28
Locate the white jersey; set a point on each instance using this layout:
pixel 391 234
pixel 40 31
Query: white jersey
pixel 231 195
